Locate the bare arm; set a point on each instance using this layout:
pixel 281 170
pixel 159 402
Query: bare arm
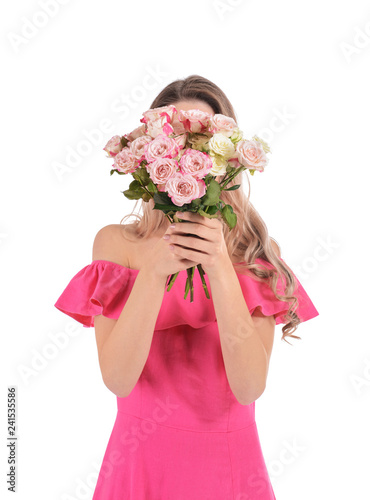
pixel 246 340
pixel 124 344
pixel 126 348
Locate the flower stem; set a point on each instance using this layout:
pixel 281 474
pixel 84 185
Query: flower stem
pixel 204 284
pixel 172 280
pixel 226 181
pixel 150 194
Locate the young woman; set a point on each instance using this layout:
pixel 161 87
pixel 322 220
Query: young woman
pixel 186 374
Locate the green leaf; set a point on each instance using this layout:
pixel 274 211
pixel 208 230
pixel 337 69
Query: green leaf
pixel 142 175
pixel 196 203
pixel 136 194
pixel 212 194
pixel 114 170
pixel 146 197
pixel 162 197
pixel 151 187
pixel 229 216
pixel 164 208
pixel 134 186
pixel 212 209
pixel 210 214
pixel 232 188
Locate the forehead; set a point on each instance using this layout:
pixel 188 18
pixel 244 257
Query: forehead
pixel 194 104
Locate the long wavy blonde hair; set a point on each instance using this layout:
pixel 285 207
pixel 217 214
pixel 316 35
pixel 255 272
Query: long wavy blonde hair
pixel 249 239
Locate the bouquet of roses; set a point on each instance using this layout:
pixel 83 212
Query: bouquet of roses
pixel 174 157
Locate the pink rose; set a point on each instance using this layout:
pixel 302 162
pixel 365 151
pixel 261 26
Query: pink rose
pixel 181 140
pixel 161 170
pixel 184 188
pixel 137 147
pixel 178 127
pixel 195 163
pixel 125 161
pixel 138 132
pixel 194 120
pixel 113 146
pixel 234 162
pixel 223 124
pixel 251 155
pixel 161 147
pixel 158 120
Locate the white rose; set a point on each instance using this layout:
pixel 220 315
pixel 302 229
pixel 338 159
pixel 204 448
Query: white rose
pixel 221 145
pixel 219 166
pixel 264 144
pixel 237 135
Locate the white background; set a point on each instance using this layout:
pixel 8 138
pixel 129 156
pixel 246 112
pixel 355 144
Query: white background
pixel 67 71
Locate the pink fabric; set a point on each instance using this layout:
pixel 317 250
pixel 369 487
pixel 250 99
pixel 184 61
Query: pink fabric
pixel 180 434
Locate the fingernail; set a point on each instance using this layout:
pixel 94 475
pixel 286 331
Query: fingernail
pixel 166 236
pixel 172 226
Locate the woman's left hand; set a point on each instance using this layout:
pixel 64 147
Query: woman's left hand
pixel 208 246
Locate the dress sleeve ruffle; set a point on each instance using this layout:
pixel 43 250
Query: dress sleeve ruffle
pixel 103 287
pixel 260 294
pixel 99 288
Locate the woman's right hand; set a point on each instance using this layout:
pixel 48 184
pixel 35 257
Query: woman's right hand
pixel 162 261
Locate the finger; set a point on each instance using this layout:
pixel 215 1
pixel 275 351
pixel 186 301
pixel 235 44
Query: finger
pixel 190 242
pixel 187 253
pixel 197 228
pixel 193 228
pixel 195 217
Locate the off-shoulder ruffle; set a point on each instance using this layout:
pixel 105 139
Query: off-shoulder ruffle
pixel 260 294
pixel 103 287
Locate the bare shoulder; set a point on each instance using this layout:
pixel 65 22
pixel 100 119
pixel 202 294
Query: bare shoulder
pixel 110 244
pixel 275 247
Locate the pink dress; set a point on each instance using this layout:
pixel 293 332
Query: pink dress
pixel 180 434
